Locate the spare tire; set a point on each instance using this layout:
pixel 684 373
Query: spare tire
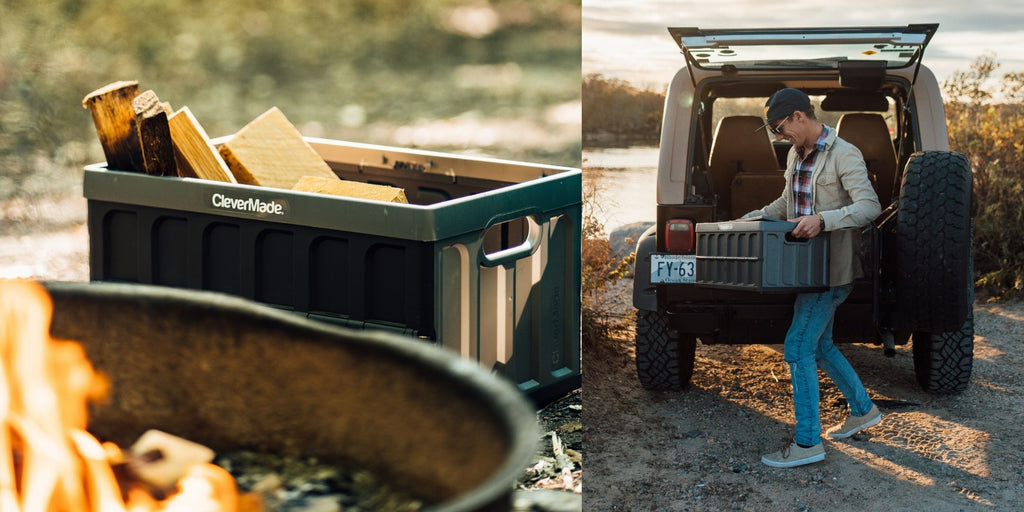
pixel 934 243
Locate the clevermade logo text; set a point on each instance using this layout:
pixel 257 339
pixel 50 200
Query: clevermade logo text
pixel 252 205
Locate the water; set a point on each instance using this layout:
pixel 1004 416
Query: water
pixel 626 181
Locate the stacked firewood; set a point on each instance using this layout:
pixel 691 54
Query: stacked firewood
pixel 140 133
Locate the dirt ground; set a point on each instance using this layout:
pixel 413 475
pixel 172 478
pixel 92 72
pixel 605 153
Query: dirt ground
pixel 700 449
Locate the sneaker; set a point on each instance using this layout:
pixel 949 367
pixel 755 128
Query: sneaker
pixel 793 455
pixel 854 424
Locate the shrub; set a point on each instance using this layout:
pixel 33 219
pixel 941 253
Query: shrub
pixel 600 269
pixel 991 133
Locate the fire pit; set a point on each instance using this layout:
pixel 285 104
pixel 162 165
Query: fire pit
pixel 232 374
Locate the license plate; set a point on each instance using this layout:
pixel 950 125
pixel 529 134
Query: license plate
pixel 673 268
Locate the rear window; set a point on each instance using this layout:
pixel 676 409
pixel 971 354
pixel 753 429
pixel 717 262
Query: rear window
pixel 725 107
pixel 802 57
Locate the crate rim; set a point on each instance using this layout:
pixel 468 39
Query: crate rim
pixel 541 196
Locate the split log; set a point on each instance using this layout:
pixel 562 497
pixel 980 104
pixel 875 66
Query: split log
pixel 161 459
pixel 154 134
pixel 269 151
pixel 347 188
pixel 114 117
pixel 562 461
pixel 193 153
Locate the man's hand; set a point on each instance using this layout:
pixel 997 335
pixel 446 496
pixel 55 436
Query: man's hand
pixel 807 226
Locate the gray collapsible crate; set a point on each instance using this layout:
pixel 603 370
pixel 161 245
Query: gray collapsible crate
pixel 484 261
pixel 760 255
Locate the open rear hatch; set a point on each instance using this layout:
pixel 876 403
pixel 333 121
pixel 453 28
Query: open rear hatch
pixel 841 48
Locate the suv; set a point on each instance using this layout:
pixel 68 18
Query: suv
pixel 714 166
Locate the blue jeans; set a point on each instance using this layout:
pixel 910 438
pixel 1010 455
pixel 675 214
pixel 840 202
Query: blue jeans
pixel 808 345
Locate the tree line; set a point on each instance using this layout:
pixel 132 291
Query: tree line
pixel 616 112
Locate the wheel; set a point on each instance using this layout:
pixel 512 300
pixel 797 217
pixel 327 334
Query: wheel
pixel 943 361
pixel 934 243
pixel 664 358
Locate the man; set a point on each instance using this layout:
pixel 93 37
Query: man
pixel 827 189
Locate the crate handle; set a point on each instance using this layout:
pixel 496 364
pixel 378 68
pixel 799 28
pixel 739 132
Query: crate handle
pixel 512 254
pixel 794 240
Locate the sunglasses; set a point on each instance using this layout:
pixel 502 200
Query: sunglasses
pixel 777 129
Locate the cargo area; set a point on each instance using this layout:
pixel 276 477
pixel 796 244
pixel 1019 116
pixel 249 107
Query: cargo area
pixel 484 259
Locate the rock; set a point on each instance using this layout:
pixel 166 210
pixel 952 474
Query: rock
pixel 623 238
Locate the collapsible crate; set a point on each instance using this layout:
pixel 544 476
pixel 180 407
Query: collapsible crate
pixel 760 255
pixel 484 261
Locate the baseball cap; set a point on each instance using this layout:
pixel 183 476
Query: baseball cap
pixel 783 103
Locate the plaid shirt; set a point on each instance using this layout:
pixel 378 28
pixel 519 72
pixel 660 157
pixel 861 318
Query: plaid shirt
pixel 802 176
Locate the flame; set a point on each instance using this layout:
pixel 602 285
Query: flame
pixel 48 461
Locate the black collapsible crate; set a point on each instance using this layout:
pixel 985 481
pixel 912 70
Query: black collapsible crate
pixel 484 261
pixel 760 255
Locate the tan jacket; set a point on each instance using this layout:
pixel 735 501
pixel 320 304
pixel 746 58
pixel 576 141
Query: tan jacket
pixel 843 195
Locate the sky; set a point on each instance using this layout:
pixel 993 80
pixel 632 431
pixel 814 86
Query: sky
pixel 628 39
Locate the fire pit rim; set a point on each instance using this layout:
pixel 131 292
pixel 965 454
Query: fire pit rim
pixel 502 397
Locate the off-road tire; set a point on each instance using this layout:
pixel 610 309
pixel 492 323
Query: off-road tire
pixel 943 361
pixel 664 357
pixel 934 243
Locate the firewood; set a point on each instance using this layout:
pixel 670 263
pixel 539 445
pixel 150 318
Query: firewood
pixel 154 134
pixel 112 113
pixel 195 156
pixel 269 151
pixel 347 188
pixel 562 461
pixel 171 457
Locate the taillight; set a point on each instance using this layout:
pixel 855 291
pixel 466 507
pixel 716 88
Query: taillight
pixel 679 236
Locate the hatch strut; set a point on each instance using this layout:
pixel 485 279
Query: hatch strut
pixel 690 61
pixel 929 30
pixel 701 159
pixel 913 79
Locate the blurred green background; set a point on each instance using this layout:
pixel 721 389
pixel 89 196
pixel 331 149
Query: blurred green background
pixel 499 78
